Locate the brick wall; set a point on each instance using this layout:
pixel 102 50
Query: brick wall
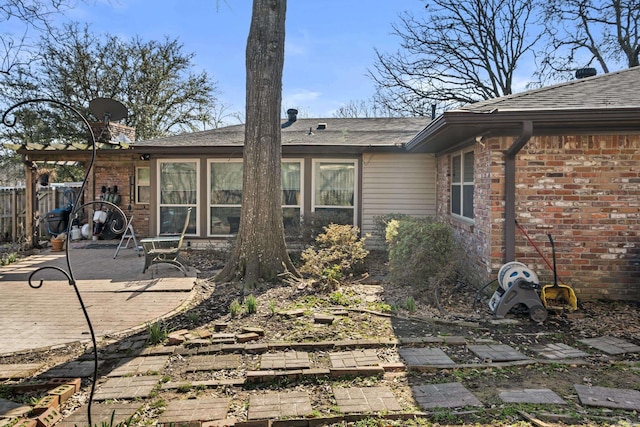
pixel 583 190
pixel 115 169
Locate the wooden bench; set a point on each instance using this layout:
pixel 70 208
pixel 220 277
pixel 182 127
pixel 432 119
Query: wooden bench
pixel 165 249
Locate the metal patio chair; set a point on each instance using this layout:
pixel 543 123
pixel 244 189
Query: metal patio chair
pixel 165 249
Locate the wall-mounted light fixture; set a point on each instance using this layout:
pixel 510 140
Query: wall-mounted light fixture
pixel 145 156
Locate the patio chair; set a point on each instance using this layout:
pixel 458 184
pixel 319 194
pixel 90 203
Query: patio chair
pixel 165 249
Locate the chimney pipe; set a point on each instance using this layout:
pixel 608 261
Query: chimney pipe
pixel 292 116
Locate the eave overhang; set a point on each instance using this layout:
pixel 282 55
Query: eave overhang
pixel 454 127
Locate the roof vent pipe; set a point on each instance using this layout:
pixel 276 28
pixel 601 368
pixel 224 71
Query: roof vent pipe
pixel 292 114
pixel 585 72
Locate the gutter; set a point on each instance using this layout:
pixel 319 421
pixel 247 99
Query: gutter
pixel 510 190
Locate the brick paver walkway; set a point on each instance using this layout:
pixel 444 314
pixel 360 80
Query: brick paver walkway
pixel 12 409
pixel 425 356
pixel 75 368
pixel 194 411
pixel 276 405
pixel 528 395
pixel 497 353
pixel 612 345
pixel 213 362
pixel 558 351
pixel 101 414
pixel 127 387
pixel 285 360
pixel 447 395
pixel 355 358
pixel 365 399
pixel 609 397
pixel 18 370
pixel 140 366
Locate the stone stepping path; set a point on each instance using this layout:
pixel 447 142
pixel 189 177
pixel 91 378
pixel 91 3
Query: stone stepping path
pixel 140 366
pixel 127 387
pixel 605 397
pixel 74 369
pixel 277 405
pixel 101 414
pixel 353 359
pixel 285 360
pixel 425 356
pixel 558 351
pixel 497 353
pixel 194 411
pixel 12 409
pixel 213 362
pixel 365 399
pixel 18 370
pixel 446 395
pixel 529 395
pixel 612 345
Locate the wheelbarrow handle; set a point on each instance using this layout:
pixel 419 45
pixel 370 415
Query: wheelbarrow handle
pixel 553 253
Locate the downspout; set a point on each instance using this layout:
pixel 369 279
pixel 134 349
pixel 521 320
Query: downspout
pixel 510 190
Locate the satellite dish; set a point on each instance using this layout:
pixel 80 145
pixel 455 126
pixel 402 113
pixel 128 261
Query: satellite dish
pixel 108 108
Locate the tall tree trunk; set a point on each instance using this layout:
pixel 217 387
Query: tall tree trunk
pixel 260 251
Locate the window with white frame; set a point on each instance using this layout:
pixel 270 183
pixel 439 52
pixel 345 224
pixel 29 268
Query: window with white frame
pixel 143 185
pixel 291 193
pixel 225 196
pixel 178 190
pixel 462 186
pixel 334 188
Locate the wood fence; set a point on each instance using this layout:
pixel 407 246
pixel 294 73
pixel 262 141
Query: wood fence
pixel 13 204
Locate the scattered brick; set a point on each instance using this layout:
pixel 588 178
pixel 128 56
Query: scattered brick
pixel 197 342
pixel 256 348
pixel 48 418
pixel 255 330
pixel 48 401
pixel 250 336
pixel 28 386
pixel 64 391
pixel 220 326
pixel 323 319
pixel 293 313
pixel 202 333
pixel 55 382
pixel 26 422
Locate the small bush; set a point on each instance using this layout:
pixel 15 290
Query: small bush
pixel 235 308
pixel 157 332
pixel 381 223
pixel 421 253
pixel 338 253
pixel 251 304
pixel 411 304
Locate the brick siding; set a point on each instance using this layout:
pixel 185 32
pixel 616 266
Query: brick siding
pixel 583 190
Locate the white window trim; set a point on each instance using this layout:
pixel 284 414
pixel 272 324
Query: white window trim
pixel 137 185
pixel 461 217
pixel 211 205
pixel 356 195
pixel 301 163
pixel 194 211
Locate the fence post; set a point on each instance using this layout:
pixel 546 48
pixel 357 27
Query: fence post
pixel 14 215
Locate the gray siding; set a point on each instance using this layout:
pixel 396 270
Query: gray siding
pixel 397 183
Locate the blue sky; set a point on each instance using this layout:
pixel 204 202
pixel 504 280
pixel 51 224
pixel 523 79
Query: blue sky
pixel 329 43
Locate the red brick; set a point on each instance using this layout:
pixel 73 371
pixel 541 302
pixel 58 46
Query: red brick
pixel 48 418
pixel 64 391
pixel 25 422
pixel 48 401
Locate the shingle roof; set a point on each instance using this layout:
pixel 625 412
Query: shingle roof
pixel 597 92
pixel 364 132
pixel 604 103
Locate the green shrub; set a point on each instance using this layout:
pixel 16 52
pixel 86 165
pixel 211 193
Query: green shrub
pixel 421 253
pixel 251 304
pixel 338 253
pixel 234 308
pixel 381 223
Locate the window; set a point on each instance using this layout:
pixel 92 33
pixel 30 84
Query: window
pixel 334 191
pixel 291 194
pixel 143 185
pixel 462 186
pixel 225 196
pixel 178 190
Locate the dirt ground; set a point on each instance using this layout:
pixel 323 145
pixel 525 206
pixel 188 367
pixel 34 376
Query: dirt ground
pixel 373 307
